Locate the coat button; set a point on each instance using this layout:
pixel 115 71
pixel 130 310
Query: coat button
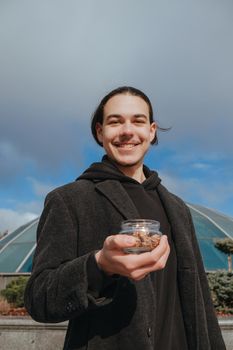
pixel 70 307
pixel 149 332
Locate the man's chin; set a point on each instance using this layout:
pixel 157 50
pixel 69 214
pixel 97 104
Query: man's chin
pixel 126 164
pixel 129 165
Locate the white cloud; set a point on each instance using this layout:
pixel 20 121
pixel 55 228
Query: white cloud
pixel 12 219
pixel 40 188
pixel 201 166
pixel 12 160
pixel 34 206
pixel 212 194
pixel 197 159
pixel 24 211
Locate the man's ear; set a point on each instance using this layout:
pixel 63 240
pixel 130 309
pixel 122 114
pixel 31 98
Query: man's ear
pixel 99 132
pixel 153 128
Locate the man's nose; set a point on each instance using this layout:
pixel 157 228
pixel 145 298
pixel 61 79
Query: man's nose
pixel 126 129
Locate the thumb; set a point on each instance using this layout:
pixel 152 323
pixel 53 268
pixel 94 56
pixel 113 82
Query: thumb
pixel 119 241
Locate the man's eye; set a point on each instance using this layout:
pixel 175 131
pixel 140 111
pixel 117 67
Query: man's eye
pixel 140 121
pixel 113 122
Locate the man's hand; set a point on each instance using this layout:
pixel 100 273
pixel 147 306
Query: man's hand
pixel 112 260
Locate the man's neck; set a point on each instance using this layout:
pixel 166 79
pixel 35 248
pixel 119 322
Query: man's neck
pixel 135 172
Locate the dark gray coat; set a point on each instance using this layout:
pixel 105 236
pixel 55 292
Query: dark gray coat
pixel 76 219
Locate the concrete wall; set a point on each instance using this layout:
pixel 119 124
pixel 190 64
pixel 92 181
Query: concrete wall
pixel 226 325
pixel 23 333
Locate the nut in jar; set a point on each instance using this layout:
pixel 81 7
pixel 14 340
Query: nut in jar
pixel 146 233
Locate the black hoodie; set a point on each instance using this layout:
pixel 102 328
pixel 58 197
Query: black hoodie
pixel 170 333
pixel 144 195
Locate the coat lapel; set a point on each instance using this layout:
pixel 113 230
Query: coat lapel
pixel 186 263
pixel 180 224
pixel 116 194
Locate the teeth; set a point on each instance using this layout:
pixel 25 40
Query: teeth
pixel 128 145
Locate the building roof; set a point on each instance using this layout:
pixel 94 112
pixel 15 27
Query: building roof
pixel 17 248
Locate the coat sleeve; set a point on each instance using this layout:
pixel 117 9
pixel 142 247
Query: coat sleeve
pixel 214 332
pixel 58 288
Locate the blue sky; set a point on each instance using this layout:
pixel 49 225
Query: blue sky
pixel 59 58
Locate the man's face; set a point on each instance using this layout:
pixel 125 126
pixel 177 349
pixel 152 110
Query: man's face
pixel 126 132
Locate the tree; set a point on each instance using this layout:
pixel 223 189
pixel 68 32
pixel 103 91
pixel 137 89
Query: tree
pixel 225 245
pixel 221 288
pixel 14 291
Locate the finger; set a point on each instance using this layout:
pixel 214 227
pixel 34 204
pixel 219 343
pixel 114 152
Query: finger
pixel 142 272
pixel 160 250
pixel 149 258
pixel 161 263
pixel 119 242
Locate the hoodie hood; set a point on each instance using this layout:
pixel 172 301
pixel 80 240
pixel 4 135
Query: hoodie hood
pixel 107 170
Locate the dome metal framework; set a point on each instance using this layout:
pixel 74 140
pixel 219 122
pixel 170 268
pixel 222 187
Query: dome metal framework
pixel 17 248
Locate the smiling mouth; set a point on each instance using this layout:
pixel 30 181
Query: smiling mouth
pixel 126 145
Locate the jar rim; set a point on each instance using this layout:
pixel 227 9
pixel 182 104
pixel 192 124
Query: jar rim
pixel 140 221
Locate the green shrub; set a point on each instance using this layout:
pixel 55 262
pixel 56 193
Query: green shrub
pixel 225 245
pixel 221 288
pixel 14 291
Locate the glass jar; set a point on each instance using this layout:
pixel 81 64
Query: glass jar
pixel 146 233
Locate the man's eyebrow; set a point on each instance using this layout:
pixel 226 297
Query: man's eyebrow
pixel 140 116
pixel 119 116
pixel 113 116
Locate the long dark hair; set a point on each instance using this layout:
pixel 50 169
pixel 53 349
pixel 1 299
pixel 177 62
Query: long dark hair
pixel 98 114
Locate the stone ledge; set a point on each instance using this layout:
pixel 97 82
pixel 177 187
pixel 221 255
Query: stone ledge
pixel 20 332
pixel 19 322
pixel 225 322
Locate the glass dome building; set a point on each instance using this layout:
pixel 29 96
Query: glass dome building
pixel 17 248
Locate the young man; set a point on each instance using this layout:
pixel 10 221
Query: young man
pixel 157 300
